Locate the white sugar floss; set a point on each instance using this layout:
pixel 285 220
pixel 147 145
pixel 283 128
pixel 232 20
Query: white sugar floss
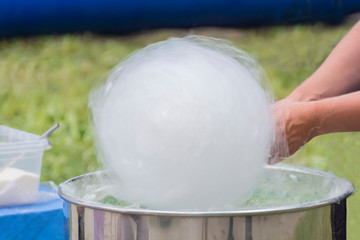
pixel 184 124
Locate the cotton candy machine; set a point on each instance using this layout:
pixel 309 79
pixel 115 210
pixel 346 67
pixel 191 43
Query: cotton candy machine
pixel 289 203
pixel 183 128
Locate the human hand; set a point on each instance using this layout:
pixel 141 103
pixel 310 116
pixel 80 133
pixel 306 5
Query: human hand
pixel 295 124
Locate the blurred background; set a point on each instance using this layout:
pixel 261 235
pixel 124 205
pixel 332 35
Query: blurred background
pixel 50 59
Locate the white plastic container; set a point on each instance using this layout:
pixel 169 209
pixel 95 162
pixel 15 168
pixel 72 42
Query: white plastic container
pixel 20 166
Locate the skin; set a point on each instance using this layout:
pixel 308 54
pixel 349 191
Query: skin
pixel 327 102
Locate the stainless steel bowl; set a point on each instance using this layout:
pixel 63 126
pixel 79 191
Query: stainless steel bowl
pixel 317 218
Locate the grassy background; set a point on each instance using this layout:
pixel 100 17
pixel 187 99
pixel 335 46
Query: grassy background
pixel 47 79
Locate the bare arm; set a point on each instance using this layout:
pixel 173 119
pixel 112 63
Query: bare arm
pixel 306 120
pixel 327 102
pixel 339 74
pixel 337 114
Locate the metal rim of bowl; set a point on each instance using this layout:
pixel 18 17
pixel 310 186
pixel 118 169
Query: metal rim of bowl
pixel 217 213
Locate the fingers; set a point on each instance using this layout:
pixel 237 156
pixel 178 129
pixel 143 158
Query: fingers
pixel 274 159
pixel 279 149
pixel 295 124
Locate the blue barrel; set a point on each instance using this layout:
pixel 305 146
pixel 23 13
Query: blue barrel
pixel 28 17
pixel 43 220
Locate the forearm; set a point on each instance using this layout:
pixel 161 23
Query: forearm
pixel 337 114
pixel 339 74
pixel 302 121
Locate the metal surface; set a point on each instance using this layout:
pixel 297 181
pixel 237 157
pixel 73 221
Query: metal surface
pixel 324 219
pixel 50 131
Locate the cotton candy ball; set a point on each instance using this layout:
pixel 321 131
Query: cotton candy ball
pixel 184 124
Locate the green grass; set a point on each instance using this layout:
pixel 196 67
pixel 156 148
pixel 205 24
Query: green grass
pixel 47 79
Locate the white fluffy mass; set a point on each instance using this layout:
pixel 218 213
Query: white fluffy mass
pixel 184 124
